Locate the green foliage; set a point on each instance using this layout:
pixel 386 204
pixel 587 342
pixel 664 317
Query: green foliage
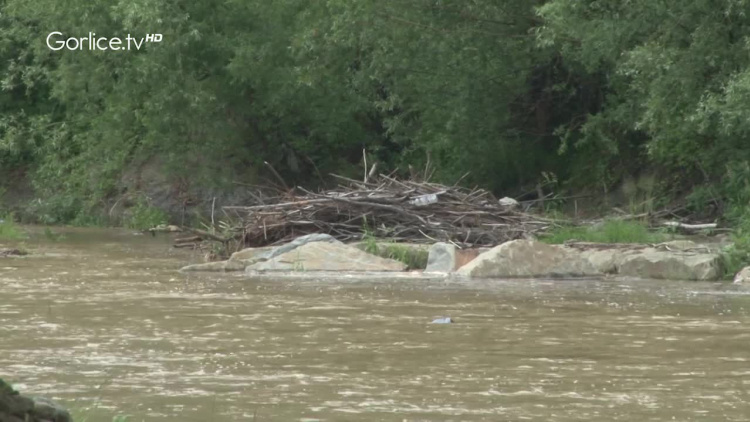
pixel 369 240
pixel 737 255
pixel 610 231
pixel 736 188
pixel 57 209
pixel 6 388
pixel 413 257
pixel 9 230
pixel 305 87
pixel 679 78
pixel 143 216
pixel 587 91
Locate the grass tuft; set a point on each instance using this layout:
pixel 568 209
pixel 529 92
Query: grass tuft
pixel 415 258
pixel 611 231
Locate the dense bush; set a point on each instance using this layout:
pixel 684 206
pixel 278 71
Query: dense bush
pixel 512 92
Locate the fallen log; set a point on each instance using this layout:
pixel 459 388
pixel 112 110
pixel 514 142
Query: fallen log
pixel 689 227
pixel 186 245
pixel 191 239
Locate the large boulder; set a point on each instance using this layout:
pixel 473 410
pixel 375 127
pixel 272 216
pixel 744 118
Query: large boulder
pixel 47 410
pixel 17 408
pixel 605 261
pixel 251 255
pixel 302 241
pixel 674 260
pixel 442 258
pixel 742 277
pixel 327 256
pixel 528 258
pixel 671 265
pixel 246 257
pixel 606 258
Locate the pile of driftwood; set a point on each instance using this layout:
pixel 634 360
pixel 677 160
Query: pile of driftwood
pixel 385 207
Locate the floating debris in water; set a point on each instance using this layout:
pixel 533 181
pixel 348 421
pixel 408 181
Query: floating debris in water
pixel 445 320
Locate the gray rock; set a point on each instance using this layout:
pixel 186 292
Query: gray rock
pixel 447 258
pixel 607 261
pixel 674 260
pixel 46 409
pixel 743 276
pixel 301 241
pixel 442 258
pixel 528 259
pixel 15 407
pixel 251 255
pixel 246 257
pixel 659 264
pixel 325 256
pixel 12 403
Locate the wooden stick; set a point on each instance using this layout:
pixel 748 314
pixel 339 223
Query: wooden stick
pixel 207 235
pixel 364 157
pixel 213 206
pixel 278 176
pixel 690 227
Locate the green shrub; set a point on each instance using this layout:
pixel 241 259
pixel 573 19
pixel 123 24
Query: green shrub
pixel 9 230
pixel 144 216
pixel 736 190
pixel 414 258
pixel 737 256
pixel 611 231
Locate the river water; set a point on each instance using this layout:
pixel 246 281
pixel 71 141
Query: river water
pixel 103 323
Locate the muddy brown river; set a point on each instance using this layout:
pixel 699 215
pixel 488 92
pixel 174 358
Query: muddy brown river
pixel 103 322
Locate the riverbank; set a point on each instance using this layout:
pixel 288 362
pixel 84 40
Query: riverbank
pixel 677 257
pixel 322 254
pixel 401 219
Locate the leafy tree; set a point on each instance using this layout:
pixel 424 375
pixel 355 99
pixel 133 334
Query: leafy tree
pixel 677 77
